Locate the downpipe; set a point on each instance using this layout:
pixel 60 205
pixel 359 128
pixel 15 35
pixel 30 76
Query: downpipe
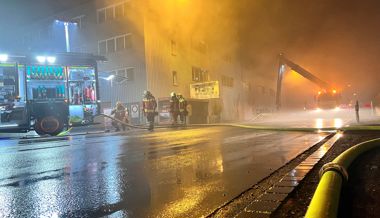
pixel 325 201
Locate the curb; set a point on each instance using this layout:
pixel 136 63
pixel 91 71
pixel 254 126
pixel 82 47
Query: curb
pixel 272 198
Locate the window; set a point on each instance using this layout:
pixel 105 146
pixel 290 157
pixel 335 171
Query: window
pixel 128 41
pixel 120 43
pixel 111 45
pixel 199 75
pixel 227 58
pixel 101 15
pixel 110 13
pixel 272 93
pixel 119 11
pixel 79 20
pixel 113 72
pixel 200 46
pixel 175 79
pixel 123 74
pixel 173 47
pixel 123 42
pixel 102 47
pixel 131 74
pixel 127 8
pixel 120 76
pixel 227 81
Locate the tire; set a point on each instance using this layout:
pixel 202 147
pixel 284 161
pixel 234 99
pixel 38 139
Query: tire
pixel 50 125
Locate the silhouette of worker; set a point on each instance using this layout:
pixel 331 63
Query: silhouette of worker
pixel 357 111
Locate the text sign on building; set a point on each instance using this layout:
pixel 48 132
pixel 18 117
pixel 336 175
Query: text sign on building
pixel 204 90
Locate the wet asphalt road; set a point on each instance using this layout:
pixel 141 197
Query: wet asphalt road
pixel 176 173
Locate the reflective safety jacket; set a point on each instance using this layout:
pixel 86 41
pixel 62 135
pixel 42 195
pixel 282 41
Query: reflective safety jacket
pixel 119 112
pixel 149 104
pixel 174 104
pixel 182 104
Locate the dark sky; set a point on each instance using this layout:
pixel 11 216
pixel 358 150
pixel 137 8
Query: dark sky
pixel 338 40
pixel 16 13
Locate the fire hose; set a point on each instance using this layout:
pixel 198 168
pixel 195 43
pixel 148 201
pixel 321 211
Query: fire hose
pixel 122 122
pixel 325 200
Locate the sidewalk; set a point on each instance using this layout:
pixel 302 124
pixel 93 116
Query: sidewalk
pixel 362 193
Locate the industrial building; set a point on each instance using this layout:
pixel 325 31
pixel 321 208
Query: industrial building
pixel 179 46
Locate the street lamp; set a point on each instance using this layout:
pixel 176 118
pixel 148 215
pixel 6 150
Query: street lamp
pixel 67 36
pixel 110 77
pixel 43 59
pixel 113 76
pixel 3 57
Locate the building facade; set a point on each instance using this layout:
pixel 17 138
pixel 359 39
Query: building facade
pixel 188 47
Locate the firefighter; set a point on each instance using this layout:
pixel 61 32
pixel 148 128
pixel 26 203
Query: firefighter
pixel 120 114
pixel 182 108
pixel 149 108
pixel 174 107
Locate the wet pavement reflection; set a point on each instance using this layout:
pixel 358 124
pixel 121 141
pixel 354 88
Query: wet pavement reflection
pixel 178 173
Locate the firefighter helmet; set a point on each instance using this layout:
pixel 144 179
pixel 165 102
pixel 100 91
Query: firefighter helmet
pixel 146 93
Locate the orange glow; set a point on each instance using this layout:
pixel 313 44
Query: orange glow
pixel 319 92
pixel 294 78
pixel 334 91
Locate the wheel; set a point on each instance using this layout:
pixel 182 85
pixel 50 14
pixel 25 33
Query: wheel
pixel 51 125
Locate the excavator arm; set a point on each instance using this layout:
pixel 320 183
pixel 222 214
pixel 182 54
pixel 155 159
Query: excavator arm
pixel 283 61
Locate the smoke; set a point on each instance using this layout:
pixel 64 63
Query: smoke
pixel 335 40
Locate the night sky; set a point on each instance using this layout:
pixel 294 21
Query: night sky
pixel 337 40
pixel 16 13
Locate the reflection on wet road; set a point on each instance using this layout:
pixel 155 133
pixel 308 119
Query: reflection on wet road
pixel 311 119
pixel 179 173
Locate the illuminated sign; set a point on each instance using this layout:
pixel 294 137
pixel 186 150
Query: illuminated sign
pixel 206 90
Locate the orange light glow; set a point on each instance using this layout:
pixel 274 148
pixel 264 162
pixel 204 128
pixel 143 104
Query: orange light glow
pixel 319 92
pixel 334 91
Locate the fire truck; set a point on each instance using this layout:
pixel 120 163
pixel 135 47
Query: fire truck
pixel 328 99
pixel 46 93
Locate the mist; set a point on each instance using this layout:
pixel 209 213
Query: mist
pixel 335 40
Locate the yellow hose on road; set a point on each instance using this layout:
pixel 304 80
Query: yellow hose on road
pixel 65 132
pixel 325 201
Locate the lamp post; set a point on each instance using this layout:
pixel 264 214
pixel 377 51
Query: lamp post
pixel 67 35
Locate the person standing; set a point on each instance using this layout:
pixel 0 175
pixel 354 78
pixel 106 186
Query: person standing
pixel 120 113
pixel 149 108
pixel 357 111
pixel 174 107
pixel 182 108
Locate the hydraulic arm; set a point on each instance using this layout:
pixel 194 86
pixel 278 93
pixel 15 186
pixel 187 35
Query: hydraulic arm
pixel 283 61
